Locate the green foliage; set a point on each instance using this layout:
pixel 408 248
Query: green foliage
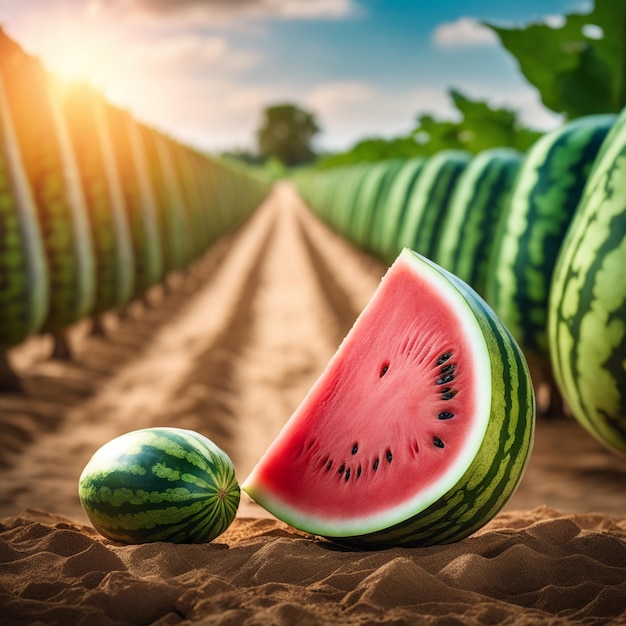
pixel 286 134
pixel 480 127
pixel 484 127
pixel 371 150
pixel 579 68
pixel 242 155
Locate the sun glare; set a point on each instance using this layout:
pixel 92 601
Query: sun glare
pixel 74 56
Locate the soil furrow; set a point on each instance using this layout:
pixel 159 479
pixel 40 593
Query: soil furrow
pixel 153 389
pixel 348 275
pixel 292 341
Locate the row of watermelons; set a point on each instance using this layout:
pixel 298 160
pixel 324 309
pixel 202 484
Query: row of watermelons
pixel 95 207
pixel 541 236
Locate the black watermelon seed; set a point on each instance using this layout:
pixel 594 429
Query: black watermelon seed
pixel 389 456
pixel 375 466
pixel 355 448
pixel 448 368
pixel 445 389
pixel 438 442
pixel 445 415
pixel 445 379
pixel 330 464
pixel 448 395
pixel 383 369
pixel 347 476
pixel 443 358
pixel 358 471
pixel 341 469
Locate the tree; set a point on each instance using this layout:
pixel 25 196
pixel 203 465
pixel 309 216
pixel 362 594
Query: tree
pixel 579 67
pixel 286 133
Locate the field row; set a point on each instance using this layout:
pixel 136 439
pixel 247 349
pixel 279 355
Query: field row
pixel 95 207
pixel 540 236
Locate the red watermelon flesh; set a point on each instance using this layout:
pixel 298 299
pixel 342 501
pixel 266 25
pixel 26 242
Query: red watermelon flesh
pixel 393 422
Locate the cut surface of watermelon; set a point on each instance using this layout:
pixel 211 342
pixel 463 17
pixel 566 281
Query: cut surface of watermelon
pixel 398 417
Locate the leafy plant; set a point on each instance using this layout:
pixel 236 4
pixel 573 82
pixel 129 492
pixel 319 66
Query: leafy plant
pixel 480 127
pixel 578 67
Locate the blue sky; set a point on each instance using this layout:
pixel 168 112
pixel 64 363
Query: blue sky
pixel 203 70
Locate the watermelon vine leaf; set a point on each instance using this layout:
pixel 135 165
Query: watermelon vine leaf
pixel 579 67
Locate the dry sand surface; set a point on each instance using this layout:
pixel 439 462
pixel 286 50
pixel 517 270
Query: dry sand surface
pixel 229 349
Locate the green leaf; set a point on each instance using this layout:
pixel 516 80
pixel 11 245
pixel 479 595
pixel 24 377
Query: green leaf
pixel 484 127
pixel 578 68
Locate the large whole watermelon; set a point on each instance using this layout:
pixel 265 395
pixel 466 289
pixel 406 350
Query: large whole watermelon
pixel 543 201
pixel 587 312
pixel 420 427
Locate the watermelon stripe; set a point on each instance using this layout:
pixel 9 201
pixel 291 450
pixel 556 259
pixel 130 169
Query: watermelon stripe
pixel 478 203
pixel 24 282
pixel 402 189
pixel 542 205
pixel 587 325
pixel 429 201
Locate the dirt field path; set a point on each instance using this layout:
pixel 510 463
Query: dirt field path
pixel 230 351
pixel 230 354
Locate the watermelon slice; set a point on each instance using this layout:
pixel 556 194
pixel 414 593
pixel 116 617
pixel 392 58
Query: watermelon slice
pixel 420 427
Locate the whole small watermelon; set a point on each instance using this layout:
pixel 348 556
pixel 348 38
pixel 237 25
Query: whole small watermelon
pixel 160 484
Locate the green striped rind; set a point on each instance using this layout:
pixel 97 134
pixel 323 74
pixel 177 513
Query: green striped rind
pixel 340 185
pixel 587 311
pixel 479 200
pixel 204 177
pixel 55 183
pixel 543 201
pixel 175 222
pixel 149 213
pixel 396 203
pixel 141 213
pixel 91 143
pixel 501 460
pixel 428 204
pixel 343 199
pixel 381 207
pixel 191 200
pixel 24 289
pixel 161 194
pixel 160 484
pixel 374 191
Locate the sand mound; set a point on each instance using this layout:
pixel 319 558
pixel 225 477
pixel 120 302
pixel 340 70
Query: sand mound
pixel 537 566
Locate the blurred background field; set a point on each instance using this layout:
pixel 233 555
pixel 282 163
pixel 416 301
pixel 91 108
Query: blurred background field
pixel 195 199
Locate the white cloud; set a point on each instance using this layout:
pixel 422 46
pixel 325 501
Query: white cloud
pixel 340 97
pixel 187 53
pixel 251 9
pixel 353 110
pixel 465 32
